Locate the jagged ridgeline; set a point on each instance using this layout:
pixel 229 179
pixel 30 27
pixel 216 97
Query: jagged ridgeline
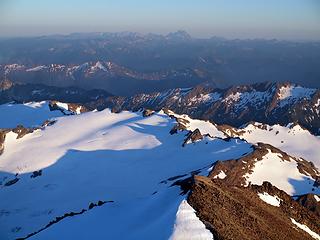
pixel 271 103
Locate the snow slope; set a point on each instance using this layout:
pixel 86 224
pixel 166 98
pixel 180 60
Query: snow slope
pixel 205 127
pixel 281 173
pixel 294 140
pixel 104 156
pixel 28 114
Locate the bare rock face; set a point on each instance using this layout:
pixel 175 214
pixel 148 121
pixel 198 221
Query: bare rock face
pixel 193 136
pixel 5 85
pixel 234 212
pixel 72 108
pixel 310 202
pixel 77 108
pixel 22 131
pixel 53 106
pixel 232 209
pixel 48 123
pixel 11 182
pixel 36 174
pixel 147 112
pixel 177 127
pixel 3 133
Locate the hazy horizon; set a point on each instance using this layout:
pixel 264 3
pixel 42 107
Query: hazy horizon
pixel 162 34
pixel 244 19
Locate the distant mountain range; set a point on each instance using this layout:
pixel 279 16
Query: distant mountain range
pixel 129 63
pixel 103 75
pixel 271 103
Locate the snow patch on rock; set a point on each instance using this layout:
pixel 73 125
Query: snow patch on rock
pixel 272 200
pixel 306 229
pixel 221 175
pixel 36 69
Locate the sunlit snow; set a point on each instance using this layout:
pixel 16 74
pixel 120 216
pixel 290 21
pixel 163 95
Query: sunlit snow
pixel 272 200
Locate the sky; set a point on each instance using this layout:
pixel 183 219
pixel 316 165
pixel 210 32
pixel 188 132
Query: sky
pixel 281 19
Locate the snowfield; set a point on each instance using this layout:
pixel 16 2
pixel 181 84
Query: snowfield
pixel 293 140
pixel 104 175
pixel 124 159
pixel 281 173
pixel 28 114
pixel 205 127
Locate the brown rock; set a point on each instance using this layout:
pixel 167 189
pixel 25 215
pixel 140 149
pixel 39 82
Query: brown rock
pixel 233 212
pixel 193 136
pixel 147 112
pixel 22 131
pixel 309 202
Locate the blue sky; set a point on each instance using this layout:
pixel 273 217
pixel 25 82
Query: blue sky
pixel 283 19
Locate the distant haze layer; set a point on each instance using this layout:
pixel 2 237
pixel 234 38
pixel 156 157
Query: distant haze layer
pixel 286 19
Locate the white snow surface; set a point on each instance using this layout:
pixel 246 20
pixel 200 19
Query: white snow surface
pixel 28 114
pixel 317 198
pixel 205 127
pixel 242 99
pixel 63 106
pixel 281 173
pixel 37 68
pixel 206 98
pixel 98 66
pixel 188 226
pixel 272 200
pixel 101 156
pixel 234 97
pixel 293 140
pixel 292 93
pixel 221 175
pixel 306 229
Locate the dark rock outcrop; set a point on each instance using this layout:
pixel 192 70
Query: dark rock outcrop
pixel 11 182
pixel 3 133
pixel 36 174
pixel 309 201
pixel 147 112
pixel 193 136
pixel 238 213
pixel 21 131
